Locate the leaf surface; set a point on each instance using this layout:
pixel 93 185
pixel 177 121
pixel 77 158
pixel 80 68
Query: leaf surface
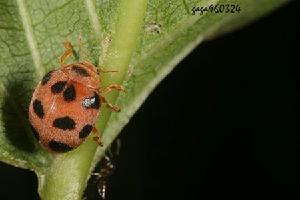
pixel 143 40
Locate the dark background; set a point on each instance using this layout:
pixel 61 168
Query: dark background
pixel 224 122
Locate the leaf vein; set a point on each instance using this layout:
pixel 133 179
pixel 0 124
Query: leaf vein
pixel 90 7
pixel 30 38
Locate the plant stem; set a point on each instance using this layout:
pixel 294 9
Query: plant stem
pixel 68 174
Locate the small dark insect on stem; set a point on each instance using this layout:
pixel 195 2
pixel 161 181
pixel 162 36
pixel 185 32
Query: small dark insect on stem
pixel 98 184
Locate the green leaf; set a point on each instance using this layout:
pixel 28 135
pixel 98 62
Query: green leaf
pixel 143 40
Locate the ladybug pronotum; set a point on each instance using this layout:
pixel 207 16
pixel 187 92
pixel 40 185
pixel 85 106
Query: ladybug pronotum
pixel 66 103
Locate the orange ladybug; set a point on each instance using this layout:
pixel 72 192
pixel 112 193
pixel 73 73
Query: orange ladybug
pixel 66 103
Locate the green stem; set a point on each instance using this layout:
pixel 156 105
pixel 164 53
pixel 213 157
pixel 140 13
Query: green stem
pixel 68 174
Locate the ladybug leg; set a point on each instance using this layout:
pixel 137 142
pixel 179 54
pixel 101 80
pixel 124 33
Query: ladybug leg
pixel 69 51
pixel 109 105
pixel 113 87
pixel 96 138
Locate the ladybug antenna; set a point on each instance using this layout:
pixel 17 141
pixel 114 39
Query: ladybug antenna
pixel 69 51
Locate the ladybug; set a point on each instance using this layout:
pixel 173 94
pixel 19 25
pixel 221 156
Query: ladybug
pixel 66 103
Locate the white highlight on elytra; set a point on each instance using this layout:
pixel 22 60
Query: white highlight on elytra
pixel 88 102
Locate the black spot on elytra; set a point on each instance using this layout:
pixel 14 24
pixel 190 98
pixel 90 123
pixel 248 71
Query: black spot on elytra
pixel 64 123
pixel 85 131
pixel 92 102
pixel 80 71
pixel 35 133
pixel 70 93
pixel 38 108
pixel 46 78
pixel 59 146
pixel 58 87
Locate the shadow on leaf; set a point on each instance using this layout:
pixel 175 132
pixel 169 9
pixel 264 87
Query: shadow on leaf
pixel 15 116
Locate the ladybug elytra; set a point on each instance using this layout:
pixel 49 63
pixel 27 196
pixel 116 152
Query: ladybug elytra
pixel 66 103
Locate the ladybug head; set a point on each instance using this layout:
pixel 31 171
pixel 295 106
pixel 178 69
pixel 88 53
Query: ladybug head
pixel 89 68
pixel 83 72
